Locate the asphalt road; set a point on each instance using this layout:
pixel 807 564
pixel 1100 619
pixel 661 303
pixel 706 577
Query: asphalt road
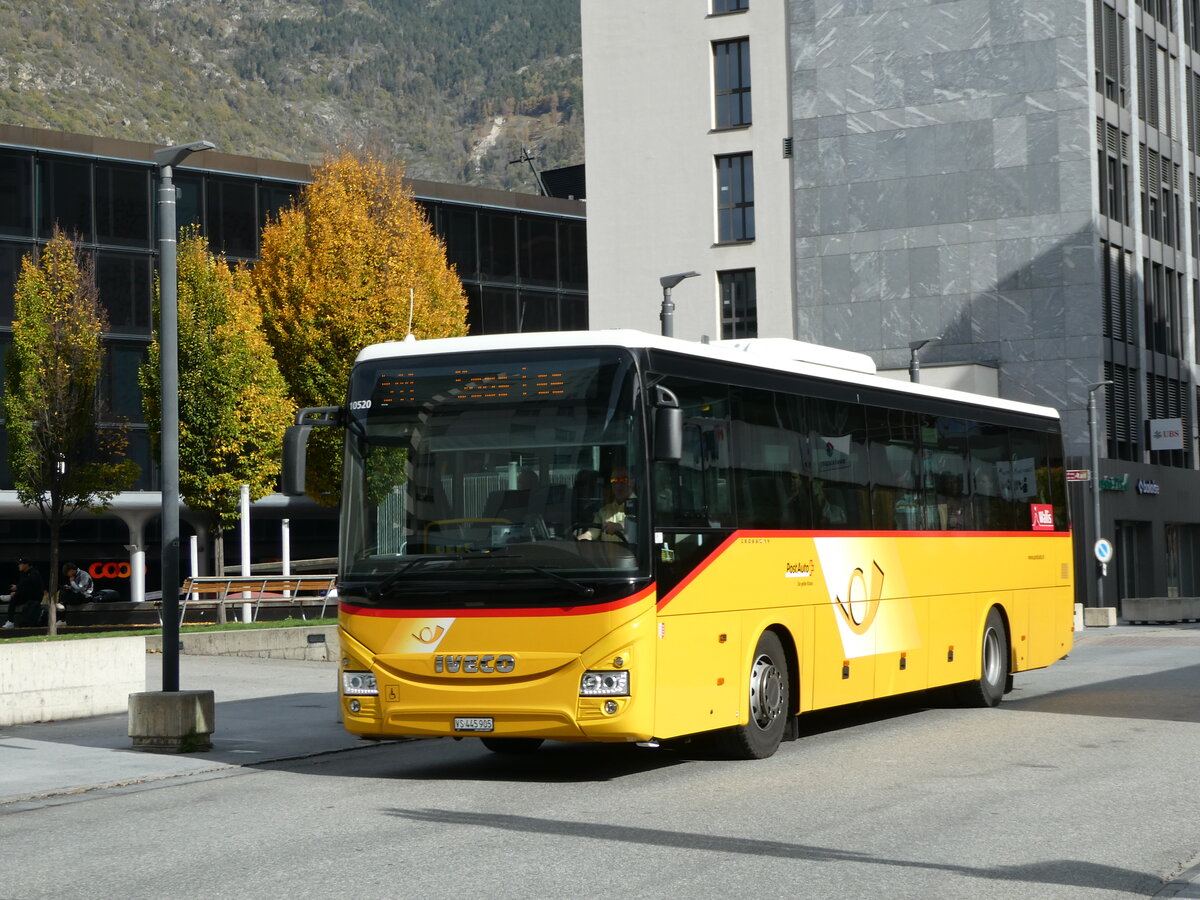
pixel 1083 784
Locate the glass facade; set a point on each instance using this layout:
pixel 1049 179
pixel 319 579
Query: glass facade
pixel 522 271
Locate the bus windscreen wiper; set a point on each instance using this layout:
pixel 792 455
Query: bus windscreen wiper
pixel 390 581
pixel 574 586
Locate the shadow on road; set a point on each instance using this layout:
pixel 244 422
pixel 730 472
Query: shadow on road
pixel 1171 695
pixel 1075 873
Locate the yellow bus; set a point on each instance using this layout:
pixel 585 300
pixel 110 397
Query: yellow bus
pixel 619 537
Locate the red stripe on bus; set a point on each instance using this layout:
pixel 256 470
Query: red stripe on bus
pixel 476 612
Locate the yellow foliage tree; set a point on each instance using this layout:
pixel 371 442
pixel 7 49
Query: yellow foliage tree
pixel 233 404
pixel 351 263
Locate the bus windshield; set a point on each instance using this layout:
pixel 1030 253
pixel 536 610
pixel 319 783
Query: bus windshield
pixel 492 473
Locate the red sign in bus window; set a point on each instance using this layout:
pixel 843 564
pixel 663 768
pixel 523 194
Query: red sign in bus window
pixel 1042 515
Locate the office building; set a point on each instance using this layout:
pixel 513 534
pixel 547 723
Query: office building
pixel 1016 184
pixel 521 258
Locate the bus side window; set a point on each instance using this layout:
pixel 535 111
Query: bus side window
pixel 767 461
pixel 838 444
pixel 699 485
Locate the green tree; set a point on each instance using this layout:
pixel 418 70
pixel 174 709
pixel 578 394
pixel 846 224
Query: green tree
pixel 66 456
pixel 352 263
pixel 233 403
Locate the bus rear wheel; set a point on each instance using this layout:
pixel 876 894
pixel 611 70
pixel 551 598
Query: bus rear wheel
pixel 994 675
pixel 769 704
pixel 511 746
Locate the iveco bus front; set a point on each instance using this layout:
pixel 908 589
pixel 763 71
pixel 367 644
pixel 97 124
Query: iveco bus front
pixel 477 595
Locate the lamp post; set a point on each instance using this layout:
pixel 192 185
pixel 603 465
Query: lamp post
pixel 1094 435
pixel 668 308
pixel 168 341
pixel 914 364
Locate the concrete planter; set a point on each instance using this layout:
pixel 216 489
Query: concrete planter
pixel 1160 609
pixel 316 643
pixel 50 680
pixel 179 722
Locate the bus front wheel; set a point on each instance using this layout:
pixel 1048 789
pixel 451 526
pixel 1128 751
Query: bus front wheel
pixel 994 675
pixel 769 706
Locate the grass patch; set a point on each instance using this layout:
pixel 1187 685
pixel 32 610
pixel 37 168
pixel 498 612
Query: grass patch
pixel 136 631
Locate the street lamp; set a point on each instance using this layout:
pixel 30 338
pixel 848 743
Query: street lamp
pixel 668 308
pixel 914 365
pixel 1094 435
pixel 168 342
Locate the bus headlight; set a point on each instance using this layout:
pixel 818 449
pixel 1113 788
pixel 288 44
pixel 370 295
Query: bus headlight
pixel 604 684
pixel 359 684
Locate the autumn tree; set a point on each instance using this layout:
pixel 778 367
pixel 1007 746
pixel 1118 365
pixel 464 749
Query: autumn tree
pixel 233 403
pixel 353 262
pixel 66 456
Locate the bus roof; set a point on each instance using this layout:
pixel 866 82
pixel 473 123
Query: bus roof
pixel 771 354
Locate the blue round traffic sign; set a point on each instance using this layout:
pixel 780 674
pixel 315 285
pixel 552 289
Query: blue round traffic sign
pixel 1103 551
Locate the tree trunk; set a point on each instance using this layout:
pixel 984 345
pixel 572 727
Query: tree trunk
pixel 217 539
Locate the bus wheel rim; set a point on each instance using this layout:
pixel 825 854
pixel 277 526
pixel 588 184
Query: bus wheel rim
pixel 766 692
pixel 991 656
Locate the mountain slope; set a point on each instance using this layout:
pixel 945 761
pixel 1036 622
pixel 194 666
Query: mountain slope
pixel 454 88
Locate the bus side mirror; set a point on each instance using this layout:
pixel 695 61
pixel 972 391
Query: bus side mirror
pixel 295 445
pixel 295 454
pixel 668 427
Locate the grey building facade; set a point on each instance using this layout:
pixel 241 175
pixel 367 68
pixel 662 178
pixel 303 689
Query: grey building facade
pixel 1016 180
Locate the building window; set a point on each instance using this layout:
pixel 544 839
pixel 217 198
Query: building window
pixel 1154 84
pixel 16 194
pixel 123 205
pixel 1113 171
pixel 739 304
pixel 731 81
pixel 231 216
pixel 1121 402
pixel 1160 197
pixel 1119 293
pixel 1112 62
pixel 64 198
pixel 1191 23
pixel 1160 9
pixel 735 198
pixel 125 284
pixel 728 6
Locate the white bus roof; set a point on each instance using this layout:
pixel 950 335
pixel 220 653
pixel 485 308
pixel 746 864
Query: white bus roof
pixel 772 354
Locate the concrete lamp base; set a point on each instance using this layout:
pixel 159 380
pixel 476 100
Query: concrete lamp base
pixel 172 721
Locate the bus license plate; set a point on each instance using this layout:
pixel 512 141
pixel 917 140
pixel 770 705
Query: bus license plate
pixel 474 724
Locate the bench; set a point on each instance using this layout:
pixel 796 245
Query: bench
pixel 221 591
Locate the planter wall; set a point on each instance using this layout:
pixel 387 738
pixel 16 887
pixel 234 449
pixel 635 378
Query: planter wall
pixel 48 680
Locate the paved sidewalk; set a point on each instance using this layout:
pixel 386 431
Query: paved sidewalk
pixel 267 709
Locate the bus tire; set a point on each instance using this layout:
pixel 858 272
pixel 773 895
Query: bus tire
pixel 511 746
pixel 993 658
pixel 768 696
